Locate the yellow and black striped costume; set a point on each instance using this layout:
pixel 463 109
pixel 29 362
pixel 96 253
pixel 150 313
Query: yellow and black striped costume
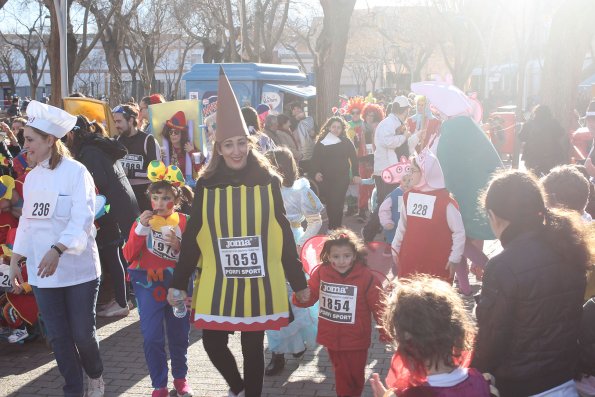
pixel 239 304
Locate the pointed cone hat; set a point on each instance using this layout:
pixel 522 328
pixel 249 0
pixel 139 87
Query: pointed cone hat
pixel 230 122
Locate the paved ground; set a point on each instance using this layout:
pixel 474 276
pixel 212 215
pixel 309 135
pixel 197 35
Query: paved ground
pixel 30 369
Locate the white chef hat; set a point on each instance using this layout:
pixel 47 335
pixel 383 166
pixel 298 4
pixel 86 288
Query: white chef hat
pixel 50 119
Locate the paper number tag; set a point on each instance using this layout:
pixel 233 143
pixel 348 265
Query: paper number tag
pixel 420 205
pixel 161 248
pixel 4 277
pixel 337 302
pixel 40 204
pixel 241 257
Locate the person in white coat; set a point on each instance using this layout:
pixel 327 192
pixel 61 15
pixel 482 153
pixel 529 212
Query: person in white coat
pixel 57 236
pixel 390 139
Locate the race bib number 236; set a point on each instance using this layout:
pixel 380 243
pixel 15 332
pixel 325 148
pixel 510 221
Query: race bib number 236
pixel 40 204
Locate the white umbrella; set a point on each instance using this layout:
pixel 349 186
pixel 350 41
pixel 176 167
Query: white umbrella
pixel 447 98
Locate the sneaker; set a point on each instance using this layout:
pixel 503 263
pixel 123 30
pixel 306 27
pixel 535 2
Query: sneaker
pixel 160 393
pixel 18 335
pixel 114 310
pixel 103 306
pixel 95 387
pixel 182 388
pixel 240 394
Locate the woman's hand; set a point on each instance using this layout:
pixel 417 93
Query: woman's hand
pixel 318 177
pixel 49 263
pixel 145 217
pixel 188 147
pixel 173 241
pixel 303 296
pixel 378 387
pixel 175 301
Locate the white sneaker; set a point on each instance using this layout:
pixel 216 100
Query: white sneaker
pixel 18 335
pixel 95 387
pixel 114 310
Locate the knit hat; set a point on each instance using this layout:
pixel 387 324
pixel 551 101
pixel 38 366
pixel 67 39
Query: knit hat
pixel 50 119
pixel 262 108
pixel 154 99
pixel 432 176
pixel 177 122
pixel 230 122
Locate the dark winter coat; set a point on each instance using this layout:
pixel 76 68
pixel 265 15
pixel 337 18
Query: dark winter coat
pixel 100 156
pixel 529 315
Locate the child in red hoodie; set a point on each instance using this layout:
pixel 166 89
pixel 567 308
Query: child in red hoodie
pixel 153 248
pixel 349 294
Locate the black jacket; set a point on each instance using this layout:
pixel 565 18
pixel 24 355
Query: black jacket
pixel 529 315
pixel 100 156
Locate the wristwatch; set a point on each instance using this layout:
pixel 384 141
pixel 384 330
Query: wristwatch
pixel 58 250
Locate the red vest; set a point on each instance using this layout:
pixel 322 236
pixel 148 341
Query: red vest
pixel 427 243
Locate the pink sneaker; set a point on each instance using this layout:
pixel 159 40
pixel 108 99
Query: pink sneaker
pixel 160 393
pixel 182 388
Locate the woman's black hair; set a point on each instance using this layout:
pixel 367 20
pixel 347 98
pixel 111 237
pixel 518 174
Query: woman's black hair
pixel 282 159
pixel 518 198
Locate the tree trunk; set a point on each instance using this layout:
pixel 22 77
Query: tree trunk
pixel 330 51
pixel 112 53
pixel 53 55
pixel 571 33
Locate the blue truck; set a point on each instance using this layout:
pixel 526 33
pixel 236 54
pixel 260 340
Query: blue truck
pixel 253 83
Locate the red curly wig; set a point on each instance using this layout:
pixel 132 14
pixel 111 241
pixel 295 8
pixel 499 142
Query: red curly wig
pixel 357 102
pixel 375 109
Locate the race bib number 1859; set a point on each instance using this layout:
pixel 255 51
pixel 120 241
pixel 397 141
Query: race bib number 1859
pixel 337 302
pixel 241 257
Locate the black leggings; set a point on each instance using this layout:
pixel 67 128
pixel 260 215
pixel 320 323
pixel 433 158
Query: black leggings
pixel 215 343
pixel 334 194
pixel 112 258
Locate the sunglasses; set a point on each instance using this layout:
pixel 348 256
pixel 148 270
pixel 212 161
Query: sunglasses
pixel 175 132
pixel 122 110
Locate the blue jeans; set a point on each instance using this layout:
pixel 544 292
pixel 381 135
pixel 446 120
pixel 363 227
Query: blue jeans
pixel 69 317
pixel 157 319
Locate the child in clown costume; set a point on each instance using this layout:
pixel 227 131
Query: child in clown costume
pixel 18 309
pixel 153 248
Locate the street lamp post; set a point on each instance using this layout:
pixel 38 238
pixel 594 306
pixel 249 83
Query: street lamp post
pixel 62 17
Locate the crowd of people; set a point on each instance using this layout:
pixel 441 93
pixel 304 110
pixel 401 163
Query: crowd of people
pixel 211 237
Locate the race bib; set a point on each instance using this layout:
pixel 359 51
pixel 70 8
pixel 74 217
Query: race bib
pixel 161 248
pixel 4 277
pixel 337 302
pixel 369 148
pixel 40 204
pixel 420 205
pixel 241 257
pixel 132 162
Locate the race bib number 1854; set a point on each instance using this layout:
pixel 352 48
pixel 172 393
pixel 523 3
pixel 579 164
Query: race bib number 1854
pixel 337 302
